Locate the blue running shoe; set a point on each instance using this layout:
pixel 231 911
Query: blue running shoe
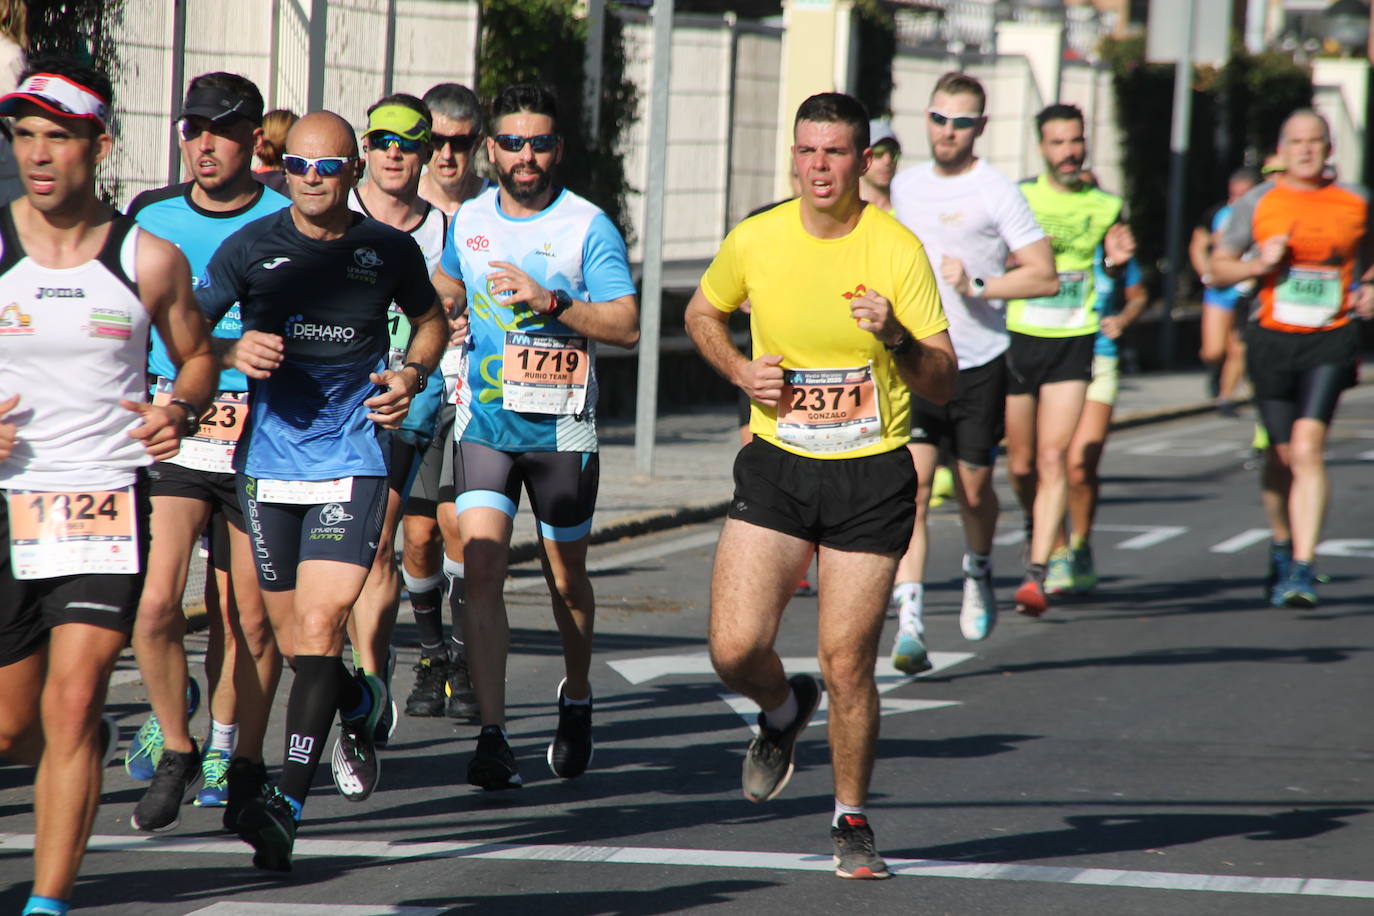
pixel 214 768
pixel 145 751
pixel 909 654
pixel 1299 589
pixel 1280 560
pixel 1059 573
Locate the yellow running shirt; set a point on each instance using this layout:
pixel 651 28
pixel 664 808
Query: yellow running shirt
pixel 843 397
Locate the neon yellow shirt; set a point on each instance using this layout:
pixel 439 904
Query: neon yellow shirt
pixel 799 288
pixel 1076 223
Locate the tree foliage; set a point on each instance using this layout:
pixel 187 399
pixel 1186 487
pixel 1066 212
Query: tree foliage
pixel 543 41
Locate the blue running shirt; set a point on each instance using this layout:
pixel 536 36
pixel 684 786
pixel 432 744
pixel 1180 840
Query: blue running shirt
pixel 571 245
pixel 329 301
pixel 170 213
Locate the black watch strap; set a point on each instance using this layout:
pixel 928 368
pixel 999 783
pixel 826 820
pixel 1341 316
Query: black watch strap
pixel 421 373
pixel 903 344
pixel 191 425
pixel 561 303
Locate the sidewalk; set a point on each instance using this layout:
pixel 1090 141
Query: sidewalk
pixel 695 453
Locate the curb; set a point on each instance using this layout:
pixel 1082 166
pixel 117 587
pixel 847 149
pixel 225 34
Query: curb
pixel 679 516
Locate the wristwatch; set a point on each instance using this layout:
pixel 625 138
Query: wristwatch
pixel 903 344
pixel 559 302
pixel 422 373
pixel 978 287
pixel 190 425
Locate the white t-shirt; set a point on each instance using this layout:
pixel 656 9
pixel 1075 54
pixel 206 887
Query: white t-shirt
pixel 978 217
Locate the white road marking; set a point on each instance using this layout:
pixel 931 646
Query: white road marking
pixel 630 557
pixel 725 858
pixel 1182 448
pixel 1010 538
pixel 1149 536
pixel 1349 547
pixel 645 669
pixel 1239 542
pixel 313 909
pixel 1366 456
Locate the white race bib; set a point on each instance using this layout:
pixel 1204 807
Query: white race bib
pixel 823 411
pixel 304 492
pixel 544 373
pixel 72 533
pixel 1309 297
pixel 1062 310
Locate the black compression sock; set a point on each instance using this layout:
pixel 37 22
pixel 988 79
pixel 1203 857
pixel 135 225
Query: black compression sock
pixel 309 716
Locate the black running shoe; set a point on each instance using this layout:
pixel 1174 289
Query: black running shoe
pixel 245 781
pixel 462 698
pixel 427 697
pixel 768 761
pixel 354 763
pixel 176 779
pixel 492 766
pixel 855 853
pixel 268 824
pixel 570 751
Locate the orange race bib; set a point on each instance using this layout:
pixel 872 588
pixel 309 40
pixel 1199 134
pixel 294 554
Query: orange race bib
pixel 544 373
pixel 72 533
pixel 823 411
pixel 212 447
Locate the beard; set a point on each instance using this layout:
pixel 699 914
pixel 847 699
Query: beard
pixel 525 193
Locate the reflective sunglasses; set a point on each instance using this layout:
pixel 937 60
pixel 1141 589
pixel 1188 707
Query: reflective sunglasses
pixel 324 166
pixel 960 122
pixel 379 141
pixel 461 143
pixel 514 143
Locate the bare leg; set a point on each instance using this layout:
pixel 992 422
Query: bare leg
pixel 374 616
pixel 486 536
pixel 912 566
pixel 574 609
pixel 1307 500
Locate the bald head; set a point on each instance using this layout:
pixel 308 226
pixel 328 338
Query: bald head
pixel 322 133
pixel 1304 120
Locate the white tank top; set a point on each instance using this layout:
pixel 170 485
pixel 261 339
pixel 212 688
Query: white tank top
pixel 73 342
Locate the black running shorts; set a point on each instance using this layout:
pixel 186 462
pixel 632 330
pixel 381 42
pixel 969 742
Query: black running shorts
pixel 219 490
pixel 1300 376
pixel 972 423
pixel 284 535
pixel 1035 361
pixel 30 608
pixel 562 486
pixel 861 504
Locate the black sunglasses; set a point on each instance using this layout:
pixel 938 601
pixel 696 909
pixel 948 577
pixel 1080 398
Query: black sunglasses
pixel 514 143
pixel 461 143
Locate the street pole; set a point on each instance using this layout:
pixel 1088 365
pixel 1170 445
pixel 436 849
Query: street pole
pixel 591 65
pixel 651 302
pixel 1178 179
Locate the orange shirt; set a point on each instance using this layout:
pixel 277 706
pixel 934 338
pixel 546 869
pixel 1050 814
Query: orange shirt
pixel 1314 288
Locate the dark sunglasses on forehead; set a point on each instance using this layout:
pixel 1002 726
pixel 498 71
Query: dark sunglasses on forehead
pixel 461 143
pixel 514 143
pixel 963 122
pixel 379 141
pixel 325 166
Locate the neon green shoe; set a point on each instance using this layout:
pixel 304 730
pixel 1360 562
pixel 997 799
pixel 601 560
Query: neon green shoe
pixel 1059 572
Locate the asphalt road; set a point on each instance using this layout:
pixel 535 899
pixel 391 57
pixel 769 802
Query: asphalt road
pixel 1169 745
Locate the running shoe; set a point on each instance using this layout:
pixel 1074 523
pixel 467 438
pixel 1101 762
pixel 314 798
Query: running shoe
pixel 1030 598
pixel 1082 571
pixel 909 654
pixel 805 589
pixel 354 762
pixel 427 697
pixel 978 613
pixel 492 766
pixel 855 853
pixel 386 723
pixel 1059 573
pixel 145 751
pixel 244 782
pixel 770 758
pixel 268 824
pixel 214 770
pixel 176 779
pixel 462 698
pixel 941 486
pixel 570 751
pixel 1299 588
pixel 1280 561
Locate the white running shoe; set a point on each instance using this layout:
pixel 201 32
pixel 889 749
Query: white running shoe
pixel 978 613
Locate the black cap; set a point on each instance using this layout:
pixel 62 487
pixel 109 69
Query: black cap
pixel 218 104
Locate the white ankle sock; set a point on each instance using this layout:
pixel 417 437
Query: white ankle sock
pixel 785 714
pixel 841 810
pixel 222 736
